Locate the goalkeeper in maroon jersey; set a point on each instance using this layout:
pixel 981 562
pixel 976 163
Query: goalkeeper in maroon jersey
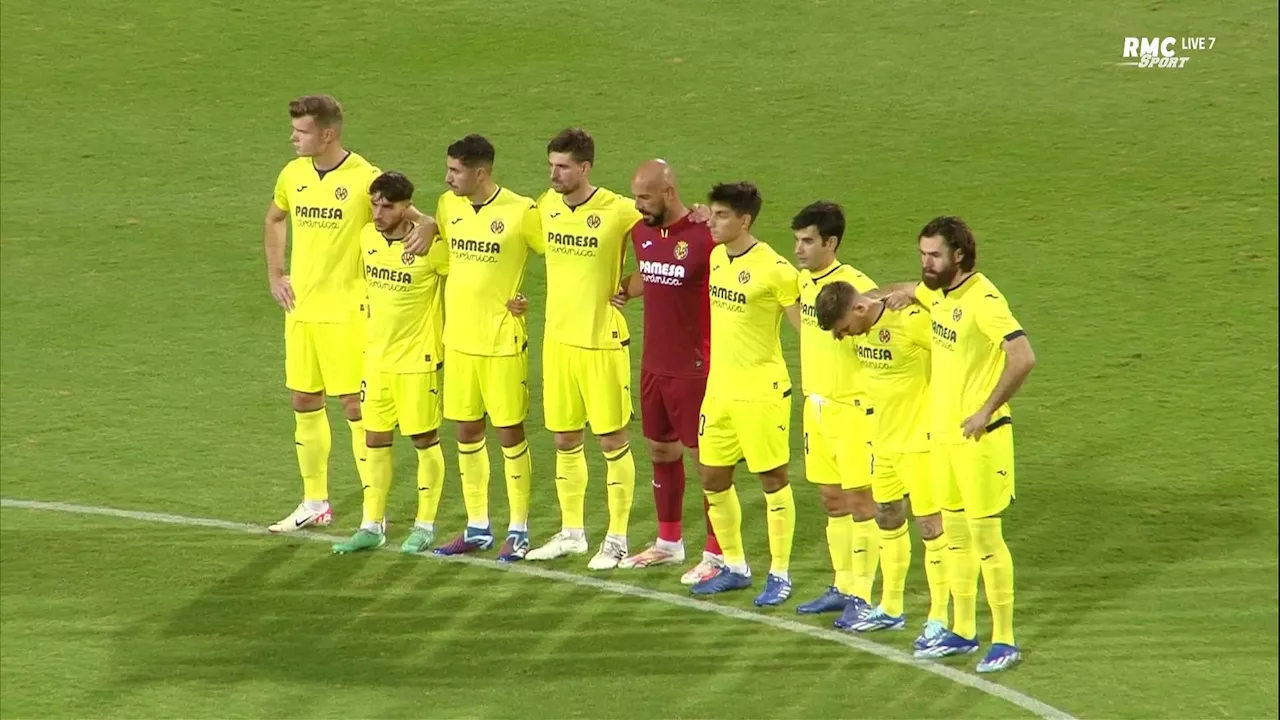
pixel 673 251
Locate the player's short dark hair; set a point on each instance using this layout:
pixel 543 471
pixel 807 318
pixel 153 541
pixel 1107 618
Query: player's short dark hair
pixel 392 186
pixel 828 217
pixel 325 109
pixel 474 151
pixel 957 235
pixel 833 301
pixel 575 141
pixel 742 197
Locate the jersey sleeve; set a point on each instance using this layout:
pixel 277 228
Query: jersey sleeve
pixel 442 221
pixel 786 283
pixel 924 295
pixel 628 215
pixel 281 195
pixel 532 226
pixel 994 318
pixel 917 325
pixel 864 284
pixel 438 257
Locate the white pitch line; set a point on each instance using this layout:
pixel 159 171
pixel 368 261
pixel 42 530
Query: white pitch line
pixel 883 652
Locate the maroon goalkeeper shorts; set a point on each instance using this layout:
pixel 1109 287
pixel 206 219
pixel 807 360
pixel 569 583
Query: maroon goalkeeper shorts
pixel 669 408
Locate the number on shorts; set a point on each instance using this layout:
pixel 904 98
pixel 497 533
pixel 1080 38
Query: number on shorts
pixel 362 386
pixel 702 424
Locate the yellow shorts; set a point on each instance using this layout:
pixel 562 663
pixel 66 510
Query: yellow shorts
pixel 323 357
pixel 837 444
pixel 581 386
pixel 757 430
pixel 480 385
pixel 410 400
pixel 898 475
pixel 976 477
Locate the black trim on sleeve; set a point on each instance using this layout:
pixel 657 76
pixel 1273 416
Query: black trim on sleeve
pixel 1015 335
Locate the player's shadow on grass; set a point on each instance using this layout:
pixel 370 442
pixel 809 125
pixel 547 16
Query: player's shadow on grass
pixel 1084 550
pixel 298 615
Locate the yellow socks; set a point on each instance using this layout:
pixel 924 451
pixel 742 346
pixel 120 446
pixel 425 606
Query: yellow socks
pixel 725 513
pixel 962 570
pixel 935 571
pixel 781 515
pixel 473 465
pixel 620 479
pixel 895 560
pixel 866 554
pixel 312 441
pixel 571 486
pixel 518 467
pixel 840 546
pixel 997 575
pixel 430 483
pixel 359 450
pixel 377 485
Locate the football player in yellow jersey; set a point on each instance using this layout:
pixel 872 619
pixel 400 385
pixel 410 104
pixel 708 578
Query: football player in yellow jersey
pixel 746 413
pixel 401 384
pixel 893 349
pixel 981 356
pixel 320 205
pixel 837 419
pixel 489 232
pixel 586 362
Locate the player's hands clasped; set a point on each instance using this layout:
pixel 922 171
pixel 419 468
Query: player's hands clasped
pixel 975 426
pixel 518 305
pixel 282 292
pixel 421 238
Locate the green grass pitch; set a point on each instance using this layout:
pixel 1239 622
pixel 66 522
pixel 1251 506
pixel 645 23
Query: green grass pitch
pixel 1129 214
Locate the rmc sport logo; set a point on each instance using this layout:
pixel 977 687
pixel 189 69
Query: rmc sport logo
pixel 1160 52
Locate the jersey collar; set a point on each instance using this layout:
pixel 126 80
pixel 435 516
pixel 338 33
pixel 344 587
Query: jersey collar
pixel 827 271
pixel 957 286
pixel 496 191
pixel 322 173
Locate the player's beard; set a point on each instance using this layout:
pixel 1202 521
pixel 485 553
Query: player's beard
pixel 654 220
pixel 942 279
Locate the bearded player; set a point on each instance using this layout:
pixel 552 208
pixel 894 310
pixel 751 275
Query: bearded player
pixel 837 419
pixel 673 251
pixel 405 355
pixel 320 207
pixel 586 358
pixel 981 356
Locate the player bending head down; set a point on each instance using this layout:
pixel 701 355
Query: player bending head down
pixel 843 311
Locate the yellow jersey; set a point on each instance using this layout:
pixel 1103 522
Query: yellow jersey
pixel 327 212
pixel 586 246
pixel 970 324
pixel 828 367
pixel 894 355
pixel 406 304
pixel 748 294
pixel 488 247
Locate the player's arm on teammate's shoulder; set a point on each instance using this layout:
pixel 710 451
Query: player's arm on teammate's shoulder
pixel 426 231
pixel 996 322
pixel 275 237
pixel 897 295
